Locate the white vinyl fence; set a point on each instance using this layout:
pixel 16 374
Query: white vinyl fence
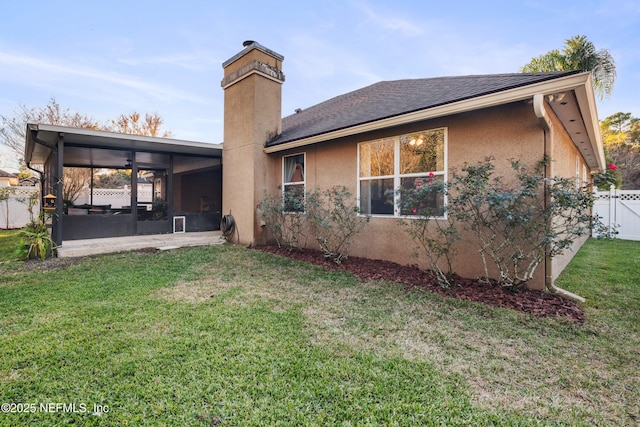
pixel 619 210
pixel 116 197
pixel 14 212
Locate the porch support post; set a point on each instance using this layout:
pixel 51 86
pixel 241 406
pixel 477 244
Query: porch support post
pixel 134 193
pixel 91 187
pixel 58 176
pixel 169 192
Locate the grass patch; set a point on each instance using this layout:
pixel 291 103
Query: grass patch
pixel 609 272
pixel 228 336
pixel 9 240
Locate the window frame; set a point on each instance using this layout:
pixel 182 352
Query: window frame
pixel 296 183
pixel 397 176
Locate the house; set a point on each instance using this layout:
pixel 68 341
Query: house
pixel 8 178
pixel 340 141
pixel 29 181
pixel 355 140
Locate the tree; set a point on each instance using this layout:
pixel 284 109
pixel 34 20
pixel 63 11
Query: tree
pixel 5 194
pixel 12 133
pixel 112 179
pixel 75 180
pixel 580 54
pixel 621 139
pixel 136 125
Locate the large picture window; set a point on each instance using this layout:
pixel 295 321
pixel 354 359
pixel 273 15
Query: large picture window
pixel 407 161
pixel 293 182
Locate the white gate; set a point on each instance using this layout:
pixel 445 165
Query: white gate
pixel 619 210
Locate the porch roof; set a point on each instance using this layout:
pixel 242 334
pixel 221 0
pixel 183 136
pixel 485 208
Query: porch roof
pixel 101 148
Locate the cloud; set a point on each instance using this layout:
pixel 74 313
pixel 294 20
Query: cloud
pixel 188 62
pixel 386 21
pixel 33 71
pixel 314 58
pixel 318 70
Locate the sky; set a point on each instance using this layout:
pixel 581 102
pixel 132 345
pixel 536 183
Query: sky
pixel 107 58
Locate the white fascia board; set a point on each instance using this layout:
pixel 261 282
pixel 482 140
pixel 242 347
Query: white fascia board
pixel 587 103
pixel 45 128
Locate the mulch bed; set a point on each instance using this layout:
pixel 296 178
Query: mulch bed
pixel 536 303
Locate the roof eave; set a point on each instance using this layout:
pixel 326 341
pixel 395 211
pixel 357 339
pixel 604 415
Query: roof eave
pixel 587 103
pixel 49 134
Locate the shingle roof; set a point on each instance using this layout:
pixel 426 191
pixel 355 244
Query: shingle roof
pixel 4 174
pixel 392 98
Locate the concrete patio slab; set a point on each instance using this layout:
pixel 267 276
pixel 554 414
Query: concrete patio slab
pixel 79 248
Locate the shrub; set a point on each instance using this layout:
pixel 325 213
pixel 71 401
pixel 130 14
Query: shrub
pixel 35 241
pixel 424 222
pixel 518 225
pixel 286 227
pixel 334 221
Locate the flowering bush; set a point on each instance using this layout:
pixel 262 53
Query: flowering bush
pixel 611 176
pixel 518 225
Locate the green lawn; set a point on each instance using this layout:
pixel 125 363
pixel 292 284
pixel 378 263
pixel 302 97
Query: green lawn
pixel 234 337
pixel 8 245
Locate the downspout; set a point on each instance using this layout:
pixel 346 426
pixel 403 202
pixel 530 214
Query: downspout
pixel 539 109
pixel 56 232
pixel 53 147
pixel 41 179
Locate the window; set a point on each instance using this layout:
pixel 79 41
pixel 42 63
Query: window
pixel 293 182
pixel 409 160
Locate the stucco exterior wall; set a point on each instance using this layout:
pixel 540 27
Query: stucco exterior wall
pixel 505 133
pixel 567 162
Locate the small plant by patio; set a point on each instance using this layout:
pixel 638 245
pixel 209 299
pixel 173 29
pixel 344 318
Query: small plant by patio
pixel 517 225
pixel 334 221
pixel 35 241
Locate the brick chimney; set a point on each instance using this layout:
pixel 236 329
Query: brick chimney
pixel 252 87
